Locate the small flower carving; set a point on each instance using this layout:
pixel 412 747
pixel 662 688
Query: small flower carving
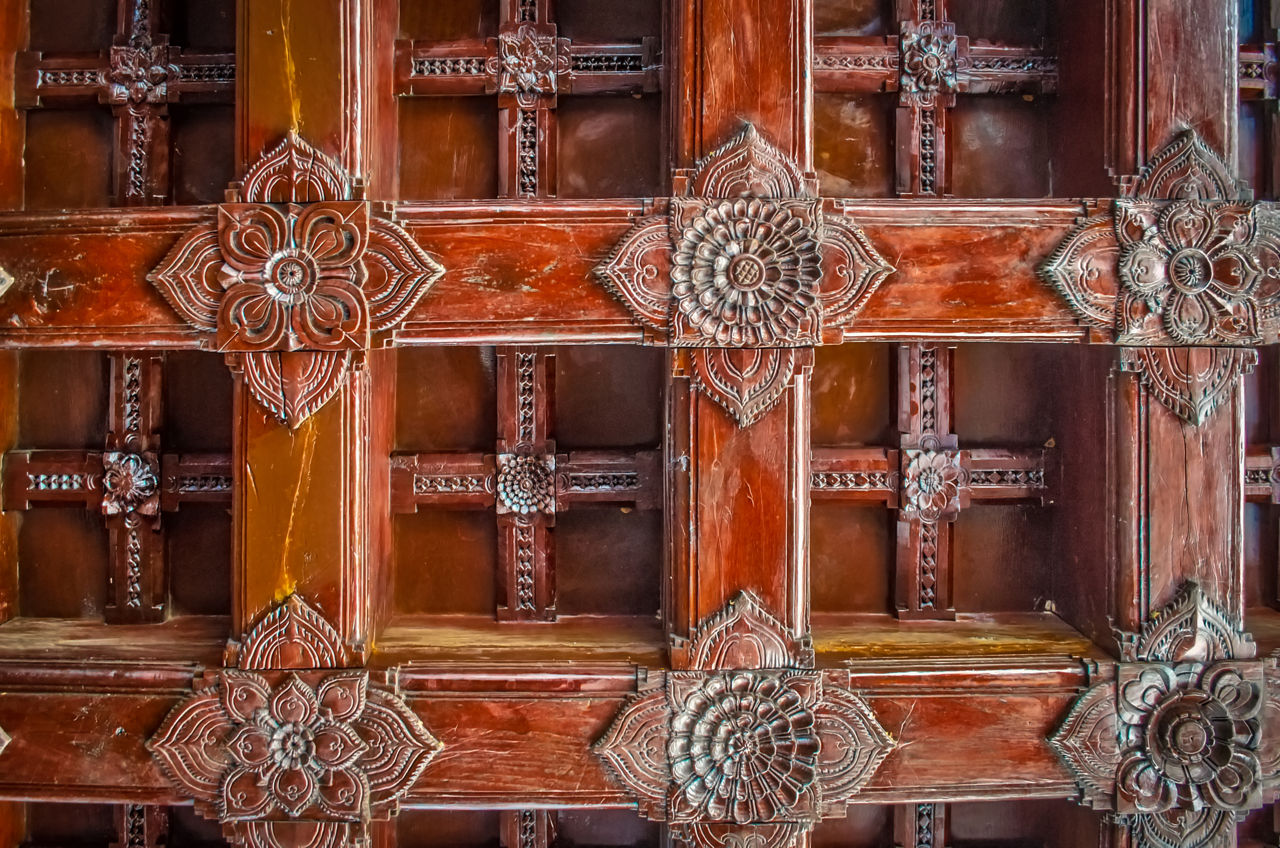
pixel 928 59
pixel 294 748
pixel 1189 737
pixel 1195 267
pixel 931 483
pixel 526 484
pixel 527 63
pixel 293 276
pixel 743 748
pixel 129 484
pixel 745 274
pixel 138 74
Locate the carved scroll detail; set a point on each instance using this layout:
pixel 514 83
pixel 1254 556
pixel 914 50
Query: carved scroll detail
pixel 297 265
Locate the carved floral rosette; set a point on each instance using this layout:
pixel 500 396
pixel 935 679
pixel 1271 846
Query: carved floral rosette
pixel 743 266
pixel 1173 737
pixel 295 278
pixel 1184 260
pixel 732 746
pixel 291 746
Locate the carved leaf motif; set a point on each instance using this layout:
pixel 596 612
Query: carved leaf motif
pixel 1191 381
pixel 399 272
pixel 1082 270
pixel 1190 628
pixel 634 750
pixel 299 834
pixel 189 746
pixel 854 744
pixel 852 271
pixel 748 165
pixel 294 172
pixel 745 635
pixel 399 747
pixel 292 385
pixel 707 835
pixel 188 277
pixel 1088 743
pixel 1186 169
pixel 292 636
pixel 747 383
pixel 637 273
pixel 1204 828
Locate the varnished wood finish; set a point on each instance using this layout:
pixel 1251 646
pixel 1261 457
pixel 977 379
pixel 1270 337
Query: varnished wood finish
pixel 577 423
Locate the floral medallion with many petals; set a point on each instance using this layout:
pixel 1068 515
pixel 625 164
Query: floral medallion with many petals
pixel 139 73
pixel 744 257
pixel 931 482
pixel 526 484
pixel 745 273
pixel 743 747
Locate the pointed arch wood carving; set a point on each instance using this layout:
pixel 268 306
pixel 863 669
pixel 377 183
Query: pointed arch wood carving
pixel 1184 260
pixel 287 745
pixel 1174 737
pixel 744 266
pixel 296 278
pixel 746 635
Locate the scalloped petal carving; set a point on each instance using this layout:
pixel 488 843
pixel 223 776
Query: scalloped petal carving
pixel 746 382
pixel 294 635
pixel 854 744
pixel 747 165
pixel 294 172
pixel 301 834
pixel 706 835
pixel 1191 381
pixel 292 385
pixel 634 750
pixel 399 747
pixel 400 273
pixel 1083 270
pixel 638 273
pixel 1201 828
pixel 187 277
pixel 189 746
pixel 1187 169
pixel 1087 742
pixel 745 635
pixel 852 270
pixel 1190 628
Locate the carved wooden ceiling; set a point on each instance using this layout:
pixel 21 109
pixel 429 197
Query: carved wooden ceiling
pixel 735 423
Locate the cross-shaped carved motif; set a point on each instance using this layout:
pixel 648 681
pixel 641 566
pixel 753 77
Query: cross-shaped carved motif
pixel 131 482
pixel 138 78
pixel 526 482
pixel 928 65
pixel 928 479
pixel 527 65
